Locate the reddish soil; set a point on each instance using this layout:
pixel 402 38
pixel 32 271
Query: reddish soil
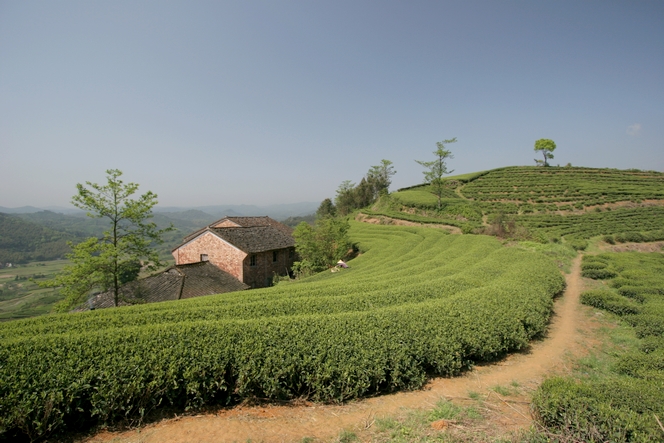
pixel 569 337
pixel 657 246
pixel 384 220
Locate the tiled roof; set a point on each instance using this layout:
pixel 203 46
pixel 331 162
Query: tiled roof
pixel 242 222
pixel 256 239
pixel 182 281
pixel 204 278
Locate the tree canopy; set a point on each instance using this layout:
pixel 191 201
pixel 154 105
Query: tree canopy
pixel 376 182
pixel 546 147
pixel 320 246
pixel 435 169
pixel 106 263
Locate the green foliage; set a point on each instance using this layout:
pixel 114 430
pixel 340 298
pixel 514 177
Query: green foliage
pixel 416 303
pixel 621 405
pixel 326 209
pixel 106 263
pixel 320 246
pixel 609 301
pixel 375 183
pixel 434 170
pixel 380 178
pixel 22 241
pixel 615 410
pixel 553 202
pixel 546 147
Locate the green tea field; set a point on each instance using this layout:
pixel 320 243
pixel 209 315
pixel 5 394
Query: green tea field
pixel 551 203
pixel 416 303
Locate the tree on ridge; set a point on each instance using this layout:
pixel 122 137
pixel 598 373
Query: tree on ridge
pixel 435 169
pixel 546 146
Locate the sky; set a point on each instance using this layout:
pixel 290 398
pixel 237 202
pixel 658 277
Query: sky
pixel 269 102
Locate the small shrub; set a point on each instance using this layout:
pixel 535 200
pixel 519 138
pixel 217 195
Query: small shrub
pixel 634 292
pixel 609 301
pixel 598 274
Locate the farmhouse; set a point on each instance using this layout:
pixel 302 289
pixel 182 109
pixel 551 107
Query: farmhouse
pixel 252 249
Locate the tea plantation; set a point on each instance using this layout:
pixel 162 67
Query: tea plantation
pixel 416 303
pixel 551 203
pixel 625 404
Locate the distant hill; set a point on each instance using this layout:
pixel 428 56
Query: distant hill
pixel 21 210
pixel 22 241
pixel 278 212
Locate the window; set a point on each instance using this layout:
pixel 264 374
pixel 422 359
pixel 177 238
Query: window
pixel 291 253
pixel 252 260
pixel 204 257
pixel 275 256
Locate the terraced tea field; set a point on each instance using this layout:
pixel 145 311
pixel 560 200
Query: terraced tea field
pixel 416 303
pixel 550 202
pixel 626 402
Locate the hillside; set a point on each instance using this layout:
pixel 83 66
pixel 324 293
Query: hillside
pixel 549 203
pixel 23 240
pixel 418 302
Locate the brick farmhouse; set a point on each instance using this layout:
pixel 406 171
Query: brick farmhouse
pixel 252 249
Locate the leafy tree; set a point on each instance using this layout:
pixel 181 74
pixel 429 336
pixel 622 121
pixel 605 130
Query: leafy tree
pixel 345 199
pixel 435 169
pixel 326 209
pixel 376 182
pixel 380 177
pixel 106 263
pixel 320 246
pixel 546 146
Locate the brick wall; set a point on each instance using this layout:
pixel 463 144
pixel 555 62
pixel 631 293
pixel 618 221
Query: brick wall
pixel 236 262
pixel 219 253
pixel 260 275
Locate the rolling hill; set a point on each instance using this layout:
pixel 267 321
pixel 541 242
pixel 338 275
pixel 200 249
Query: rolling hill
pixel 550 203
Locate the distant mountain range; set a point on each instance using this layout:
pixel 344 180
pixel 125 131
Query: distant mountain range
pixel 30 233
pixel 277 212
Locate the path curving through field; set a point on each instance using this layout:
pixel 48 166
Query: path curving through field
pixel 567 337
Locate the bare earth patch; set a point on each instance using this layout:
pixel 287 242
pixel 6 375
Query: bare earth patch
pixel 383 220
pixel 504 387
pixel 657 246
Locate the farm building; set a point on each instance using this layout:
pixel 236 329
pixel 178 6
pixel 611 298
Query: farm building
pixel 252 249
pixel 176 283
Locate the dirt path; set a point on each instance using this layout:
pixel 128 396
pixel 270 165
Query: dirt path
pixel 385 220
pixel 567 337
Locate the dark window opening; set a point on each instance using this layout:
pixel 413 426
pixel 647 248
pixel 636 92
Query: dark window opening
pixel 291 253
pixel 252 260
pixel 275 256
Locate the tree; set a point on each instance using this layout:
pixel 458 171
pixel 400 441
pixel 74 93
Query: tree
pixel 345 199
pixel 435 169
pixel 380 177
pixel 326 209
pixel 320 246
pixel 106 263
pixel 546 146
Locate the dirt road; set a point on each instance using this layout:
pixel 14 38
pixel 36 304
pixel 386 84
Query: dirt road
pixel 566 338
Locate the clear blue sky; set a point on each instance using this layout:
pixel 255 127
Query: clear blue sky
pixel 230 102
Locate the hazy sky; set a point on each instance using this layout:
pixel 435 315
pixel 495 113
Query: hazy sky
pixel 230 102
